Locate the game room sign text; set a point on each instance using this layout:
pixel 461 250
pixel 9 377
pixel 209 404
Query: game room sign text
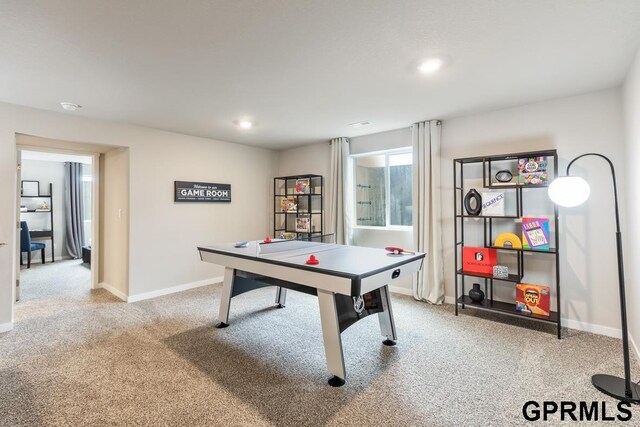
pixel 186 191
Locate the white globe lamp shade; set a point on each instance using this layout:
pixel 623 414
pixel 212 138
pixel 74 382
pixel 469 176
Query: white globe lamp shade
pixel 569 191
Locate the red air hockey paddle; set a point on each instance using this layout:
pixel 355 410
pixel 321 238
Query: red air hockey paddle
pixel 397 251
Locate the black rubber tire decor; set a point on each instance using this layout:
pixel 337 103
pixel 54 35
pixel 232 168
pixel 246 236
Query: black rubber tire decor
pixel 473 195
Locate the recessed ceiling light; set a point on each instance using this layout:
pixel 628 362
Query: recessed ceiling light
pixel 431 65
pixel 360 124
pixel 245 124
pixel 70 106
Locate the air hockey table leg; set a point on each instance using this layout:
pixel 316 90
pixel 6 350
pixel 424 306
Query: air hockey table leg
pixel 331 336
pixel 387 325
pixel 281 296
pixel 225 298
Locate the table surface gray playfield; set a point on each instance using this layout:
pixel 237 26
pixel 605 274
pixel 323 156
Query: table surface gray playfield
pixel 333 258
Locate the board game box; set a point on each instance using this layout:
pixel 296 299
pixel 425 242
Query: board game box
pixel 303 186
pixel 532 170
pixel 533 299
pixel 288 204
pixel 479 260
pixel 535 234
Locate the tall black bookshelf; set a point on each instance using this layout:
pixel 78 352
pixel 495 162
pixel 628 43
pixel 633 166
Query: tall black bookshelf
pixel 29 208
pixel 487 167
pixel 305 192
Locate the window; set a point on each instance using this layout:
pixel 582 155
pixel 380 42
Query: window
pixel 383 189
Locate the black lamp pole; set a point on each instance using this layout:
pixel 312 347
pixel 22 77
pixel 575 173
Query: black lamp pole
pixel 619 388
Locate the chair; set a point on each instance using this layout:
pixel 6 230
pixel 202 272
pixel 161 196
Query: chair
pixel 27 246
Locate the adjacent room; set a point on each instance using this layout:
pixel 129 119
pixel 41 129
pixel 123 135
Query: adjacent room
pixel 319 213
pixel 55 227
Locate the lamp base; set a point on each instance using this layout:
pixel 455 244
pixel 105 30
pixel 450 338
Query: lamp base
pixel 615 387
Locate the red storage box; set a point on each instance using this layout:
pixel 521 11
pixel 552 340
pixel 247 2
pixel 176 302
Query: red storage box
pixel 478 260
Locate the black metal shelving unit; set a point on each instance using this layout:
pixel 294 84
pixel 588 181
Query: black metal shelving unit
pixel 47 234
pixel 489 303
pixel 309 205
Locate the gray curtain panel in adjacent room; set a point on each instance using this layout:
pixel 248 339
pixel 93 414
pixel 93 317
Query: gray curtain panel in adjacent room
pixel 74 212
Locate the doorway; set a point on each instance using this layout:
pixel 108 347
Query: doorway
pixel 58 226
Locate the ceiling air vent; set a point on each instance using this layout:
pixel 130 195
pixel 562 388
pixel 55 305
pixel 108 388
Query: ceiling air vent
pixel 360 124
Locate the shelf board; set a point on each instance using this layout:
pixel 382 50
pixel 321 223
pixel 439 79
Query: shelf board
pixel 498 186
pixel 34 211
pixel 505 308
pixel 42 196
pixel 511 156
pixel 488 216
pixel 537 251
pixel 512 277
pixel 299 213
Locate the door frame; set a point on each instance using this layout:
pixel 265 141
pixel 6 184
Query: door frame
pixel 95 205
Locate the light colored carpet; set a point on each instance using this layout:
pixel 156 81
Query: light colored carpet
pixel 79 357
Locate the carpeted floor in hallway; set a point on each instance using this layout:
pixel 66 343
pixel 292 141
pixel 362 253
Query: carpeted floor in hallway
pixel 79 357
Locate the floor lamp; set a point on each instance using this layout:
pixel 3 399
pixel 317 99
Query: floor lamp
pixel 572 191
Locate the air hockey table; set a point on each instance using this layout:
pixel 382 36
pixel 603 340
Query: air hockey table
pixel 351 282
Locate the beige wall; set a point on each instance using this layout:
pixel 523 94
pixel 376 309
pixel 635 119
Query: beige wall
pixel 631 236
pixel 309 159
pixel 162 235
pixel 114 225
pixel 573 126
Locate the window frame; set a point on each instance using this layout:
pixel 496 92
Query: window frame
pixel 387 189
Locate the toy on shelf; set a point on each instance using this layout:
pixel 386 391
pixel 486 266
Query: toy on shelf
pixel 500 271
pixel 508 240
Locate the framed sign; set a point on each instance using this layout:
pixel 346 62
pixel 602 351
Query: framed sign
pixel 186 191
pixel 30 188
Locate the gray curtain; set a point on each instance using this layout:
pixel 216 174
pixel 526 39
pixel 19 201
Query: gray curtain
pixel 74 212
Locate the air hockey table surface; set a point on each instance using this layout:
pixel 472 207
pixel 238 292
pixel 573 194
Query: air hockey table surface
pixel 351 282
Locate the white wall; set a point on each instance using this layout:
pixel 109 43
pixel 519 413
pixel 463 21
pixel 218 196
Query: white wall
pixel 47 172
pixel 399 138
pixel 631 101
pixel 574 125
pixel 163 234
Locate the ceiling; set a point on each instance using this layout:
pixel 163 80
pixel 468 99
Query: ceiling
pixel 304 70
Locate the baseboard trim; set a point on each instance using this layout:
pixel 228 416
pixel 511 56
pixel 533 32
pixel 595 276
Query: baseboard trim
pixel 401 291
pixel 6 327
pixel 635 348
pixel 117 293
pixel 174 289
pixel 590 327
